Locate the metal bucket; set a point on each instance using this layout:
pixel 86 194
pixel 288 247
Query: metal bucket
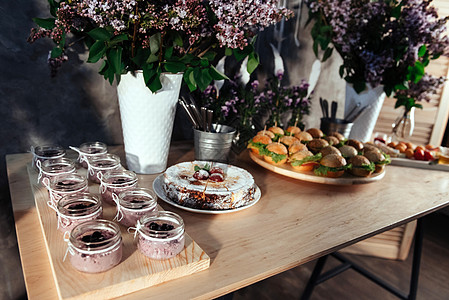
pixel 213 146
pixel 339 125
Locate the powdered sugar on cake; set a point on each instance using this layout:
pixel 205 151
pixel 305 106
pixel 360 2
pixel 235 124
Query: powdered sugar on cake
pixel 236 190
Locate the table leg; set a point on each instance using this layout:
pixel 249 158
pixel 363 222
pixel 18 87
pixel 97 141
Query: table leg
pixel 314 277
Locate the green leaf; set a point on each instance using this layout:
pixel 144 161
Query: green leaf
pixel 152 58
pixel 141 56
pixel 417 105
pixel 118 39
pixel 114 56
pixel 342 71
pixel 210 55
pixel 359 86
pixel 168 53
pixel 62 41
pixel 155 42
pixel 228 51
pixel 53 7
pixel 96 51
pixel 422 50
pixel 241 54
pixel 402 86
pixel 202 78
pixel 216 75
pixel 48 23
pixel 189 79
pixel 175 67
pixel 100 34
pixel 315 48
pixel 177 39
pixel 253 62
pixel 149 71
pixel 204 62
pixel 56 52
pixel 327 54
pixel 155 82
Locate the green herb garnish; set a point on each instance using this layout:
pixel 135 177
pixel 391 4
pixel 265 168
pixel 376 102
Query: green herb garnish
pixel 315 157
pixel 205 167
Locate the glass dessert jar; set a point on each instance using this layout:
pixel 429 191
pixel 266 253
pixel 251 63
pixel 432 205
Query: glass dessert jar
pixel 52 167
pixel 63 185
pixel 134 204
pixel 76 209
pixel 115 182
pixel 100 164
pixel 42 153
pixel 161 236
pixel 94 246
pixel 89 150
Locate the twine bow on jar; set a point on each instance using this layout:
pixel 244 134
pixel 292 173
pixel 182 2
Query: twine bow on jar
pixel 136 229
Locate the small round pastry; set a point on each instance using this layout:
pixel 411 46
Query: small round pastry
pixel 378 159
pixel 316 145
pixel 276 130
pixel 356 144
pixel 304 160
pixel 347 151
pixel 276 153
pixel 288 140
pixel 329 150
pixel 361 166
pixel 296 146
pixel 332 140
pixel 259 142
pixel 338 135
pixel 331 165
pixel 315 133
pixel 266 132
pixel 304 136
pixel 292 130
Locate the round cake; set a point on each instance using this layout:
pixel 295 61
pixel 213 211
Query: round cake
pixel 182 186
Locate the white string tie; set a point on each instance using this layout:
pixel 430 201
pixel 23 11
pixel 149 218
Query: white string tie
pixel 136 229
pixel 63 220
pixel 119 216
pixel 39 166
pixel 69 245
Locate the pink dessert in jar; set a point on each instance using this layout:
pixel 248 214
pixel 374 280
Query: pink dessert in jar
pixel 100 164
pixel 76 209
pixel 63 185
pixel 135 204
pixel 89 150
pixel 52 167
pixel 115 182
pixel 43 153
pixel 161 236
pixel 95 246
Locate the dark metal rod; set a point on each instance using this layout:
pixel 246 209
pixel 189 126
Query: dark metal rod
pixel 372 277
pixel 313 278
pixel 334 272
pixel 419 234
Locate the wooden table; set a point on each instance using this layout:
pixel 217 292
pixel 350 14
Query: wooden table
pixel 293 223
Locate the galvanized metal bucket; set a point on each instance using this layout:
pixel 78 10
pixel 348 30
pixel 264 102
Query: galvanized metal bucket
pixel 213 146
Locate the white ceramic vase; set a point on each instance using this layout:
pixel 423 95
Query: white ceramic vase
pixel 372 100
pixel 147 120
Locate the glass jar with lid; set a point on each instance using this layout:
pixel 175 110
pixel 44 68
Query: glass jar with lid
pixel 161 236
pixel 42 153
pixel 98 165
pixel 76 209
pixel 94 246
pixel 52 167
pixel 89 150
pixel 133 204
pixel 63 185
pixel 115 182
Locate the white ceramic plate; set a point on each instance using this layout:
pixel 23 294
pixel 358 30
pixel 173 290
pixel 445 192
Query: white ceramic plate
pixel 159 190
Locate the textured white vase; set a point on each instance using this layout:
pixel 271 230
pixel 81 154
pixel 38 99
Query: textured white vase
pixel 372 99
pixel 147 120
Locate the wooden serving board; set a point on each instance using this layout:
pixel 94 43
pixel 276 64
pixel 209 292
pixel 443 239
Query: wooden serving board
pixel 134 273
pixel 420 164
pixel 287 170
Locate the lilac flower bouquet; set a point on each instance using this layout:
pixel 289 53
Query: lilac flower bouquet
pixel 384 42
pixel 158 36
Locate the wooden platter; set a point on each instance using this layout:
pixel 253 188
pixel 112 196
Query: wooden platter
pixel 420 164
pixel 135 272
pixel 287 170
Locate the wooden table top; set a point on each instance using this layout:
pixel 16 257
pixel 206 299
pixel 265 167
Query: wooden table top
pixel 293 223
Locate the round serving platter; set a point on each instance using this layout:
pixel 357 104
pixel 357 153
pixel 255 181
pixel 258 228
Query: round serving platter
pixel 287 170
pixel 159 190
